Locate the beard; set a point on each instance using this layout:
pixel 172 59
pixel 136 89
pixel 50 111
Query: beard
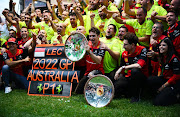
pixel 109 37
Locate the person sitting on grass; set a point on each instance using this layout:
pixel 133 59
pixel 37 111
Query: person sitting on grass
pixel 14 59
pixel 167 83
pixel 133 71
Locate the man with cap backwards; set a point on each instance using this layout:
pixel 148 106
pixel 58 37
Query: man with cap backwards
pixel 14 59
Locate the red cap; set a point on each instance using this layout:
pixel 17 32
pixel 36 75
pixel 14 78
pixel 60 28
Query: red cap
pixel 13 40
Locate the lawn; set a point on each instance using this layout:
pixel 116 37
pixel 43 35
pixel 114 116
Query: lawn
pixel 19 104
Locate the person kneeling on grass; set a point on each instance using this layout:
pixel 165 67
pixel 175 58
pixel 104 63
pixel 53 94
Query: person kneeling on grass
pixel 134 61
pixel 166 86
pixel 94 59
pixel 14 59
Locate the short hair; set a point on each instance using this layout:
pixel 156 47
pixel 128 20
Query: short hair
pixel 12 30
pixel 123 26
pixel 72 14
pixel 131 38
pixel 27 14
pixel 173 11
pixel 10 12
pixel 151 1
pixel 162 26
pixel 95 30
pixel 113 26
pixel 24 27
pixel 144 10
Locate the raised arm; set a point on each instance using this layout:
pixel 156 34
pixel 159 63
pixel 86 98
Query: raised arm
pixel 127 9
pixel 27 8
pixel 79 16
pixel 96 59
pixel 118 19
pixel 83 3
pixel 5 13
pixel 49 6
pixel 60 9
pixel 54 14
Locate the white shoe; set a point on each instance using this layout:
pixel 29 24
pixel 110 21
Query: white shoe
pixel 8 89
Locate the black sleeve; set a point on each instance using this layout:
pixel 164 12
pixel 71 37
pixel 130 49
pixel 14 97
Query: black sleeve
pixel 5 56
pixel 143 54
pixel 176 65
pixel 25 53
pixel 123 63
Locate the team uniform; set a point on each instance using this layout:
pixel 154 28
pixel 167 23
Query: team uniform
pixel 15 73
pixel 49 30
pixel 169 72
pixel 154 63
pixel 106 22
pixel 110 63
pixel 55 40
pixel 91 66
pixel 133 79
pixel 174 34
pixel 141 30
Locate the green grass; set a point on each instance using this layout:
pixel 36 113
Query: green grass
pixel 19 104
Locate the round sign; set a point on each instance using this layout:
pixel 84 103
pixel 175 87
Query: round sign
pixel 99 91
pixel 75 46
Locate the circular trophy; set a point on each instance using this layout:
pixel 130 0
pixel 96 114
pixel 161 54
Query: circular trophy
pixel 99 91
pixel 75 46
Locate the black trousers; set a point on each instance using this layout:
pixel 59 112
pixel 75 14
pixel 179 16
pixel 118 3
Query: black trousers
pixel 130 86
pixel 167 96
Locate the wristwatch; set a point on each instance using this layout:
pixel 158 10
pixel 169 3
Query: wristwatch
pixel 123 67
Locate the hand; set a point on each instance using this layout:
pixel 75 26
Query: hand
pixel 103 8
pixel 150 54
pixel 30 4
pixel 27 59
pixel 33 15
pixel 14 4
pixel 115 15
pixel 103 46
pixel 4 12
pixel 54 6
pixel 92 15
pixel 59 38
pixel 91 75
pixel 117 74
pixel 101 26
pixel 59 1
pixel 153 15
pixel 87 48
pixel 160 89
pixel 153 42
pixel 34 36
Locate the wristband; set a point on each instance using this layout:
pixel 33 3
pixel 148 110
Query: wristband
pixel 163 85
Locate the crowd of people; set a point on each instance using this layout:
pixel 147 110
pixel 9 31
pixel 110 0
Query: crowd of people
pixel 136 44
